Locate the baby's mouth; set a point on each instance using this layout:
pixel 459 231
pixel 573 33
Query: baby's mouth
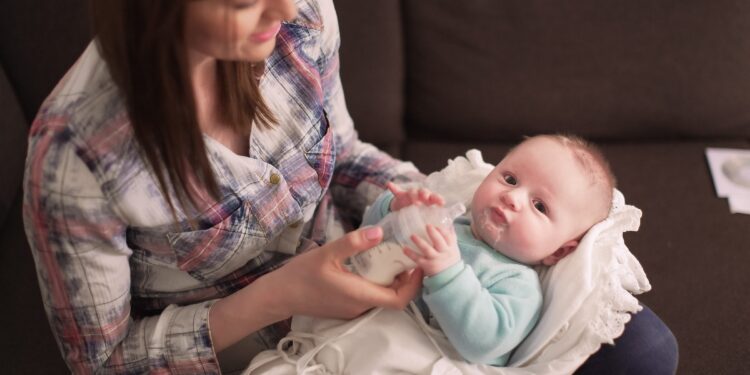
pixel 497 216
pixel 492 226
pixel 494 219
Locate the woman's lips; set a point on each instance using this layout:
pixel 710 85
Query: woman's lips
pixel 266 35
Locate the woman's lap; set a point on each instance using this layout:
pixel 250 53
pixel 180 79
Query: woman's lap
pixel 646 347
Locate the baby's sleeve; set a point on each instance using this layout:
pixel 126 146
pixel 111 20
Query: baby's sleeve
pixel 485 323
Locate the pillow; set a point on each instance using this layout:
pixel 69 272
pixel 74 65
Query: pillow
pixel 587 301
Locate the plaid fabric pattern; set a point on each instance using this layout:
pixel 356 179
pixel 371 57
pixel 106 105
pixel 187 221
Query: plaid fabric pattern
pixel 124 289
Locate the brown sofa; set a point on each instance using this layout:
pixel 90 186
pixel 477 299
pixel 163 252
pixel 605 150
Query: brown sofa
pixel 653 82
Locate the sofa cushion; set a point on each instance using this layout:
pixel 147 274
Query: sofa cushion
pixel 12 146
pixel 39 41
pixel 372 62
pixel 29 346
pixel 598 68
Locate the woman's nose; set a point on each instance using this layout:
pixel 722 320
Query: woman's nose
pixel 284 10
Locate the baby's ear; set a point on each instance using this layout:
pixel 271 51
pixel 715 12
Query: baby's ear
pixel 560 253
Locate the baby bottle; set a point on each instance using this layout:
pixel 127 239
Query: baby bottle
pixel 383 262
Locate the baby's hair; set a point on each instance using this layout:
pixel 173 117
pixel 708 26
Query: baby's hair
pixel 592 161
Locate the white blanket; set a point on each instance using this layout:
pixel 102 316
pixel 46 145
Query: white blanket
pixel 588 298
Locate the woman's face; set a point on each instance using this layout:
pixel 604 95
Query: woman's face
pixel 235 30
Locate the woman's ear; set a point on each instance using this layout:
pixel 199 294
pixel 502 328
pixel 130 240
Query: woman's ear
pixel 560 253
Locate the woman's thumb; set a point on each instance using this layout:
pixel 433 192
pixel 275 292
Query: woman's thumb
pixel 357 241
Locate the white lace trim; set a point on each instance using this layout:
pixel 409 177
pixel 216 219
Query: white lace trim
pixel 622 276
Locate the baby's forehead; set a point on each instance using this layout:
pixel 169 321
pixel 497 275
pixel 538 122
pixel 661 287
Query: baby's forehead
pixel 540 152
pixel 552 165
pixel 583 172
pixel 540 142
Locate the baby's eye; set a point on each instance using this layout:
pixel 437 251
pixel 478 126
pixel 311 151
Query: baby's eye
pixel 509 179
pixel 540 207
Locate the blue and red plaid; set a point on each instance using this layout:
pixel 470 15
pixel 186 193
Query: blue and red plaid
pixel 124 289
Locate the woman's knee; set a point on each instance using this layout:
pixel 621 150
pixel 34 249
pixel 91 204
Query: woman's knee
pixel 647 346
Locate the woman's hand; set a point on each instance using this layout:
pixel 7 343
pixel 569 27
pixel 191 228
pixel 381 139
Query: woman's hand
pixel 314 283
pixel 317 283
pixel 403 198
pixel 439 253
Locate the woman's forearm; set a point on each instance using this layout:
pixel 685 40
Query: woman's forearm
pixel 314 283
pixel 244 312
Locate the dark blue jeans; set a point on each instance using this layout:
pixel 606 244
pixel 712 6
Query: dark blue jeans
pixel 646 347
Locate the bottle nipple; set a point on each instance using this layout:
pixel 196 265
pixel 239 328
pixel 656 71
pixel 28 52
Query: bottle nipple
pixel 456 210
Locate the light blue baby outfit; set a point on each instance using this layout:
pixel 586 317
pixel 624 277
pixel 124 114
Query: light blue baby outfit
pixel 486 303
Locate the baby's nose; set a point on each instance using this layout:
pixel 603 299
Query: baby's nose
pixel 511 200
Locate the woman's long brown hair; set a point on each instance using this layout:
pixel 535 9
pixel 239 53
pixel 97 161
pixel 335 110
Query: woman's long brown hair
pixel 142 42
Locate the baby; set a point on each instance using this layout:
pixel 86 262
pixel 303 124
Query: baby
pixel 532 209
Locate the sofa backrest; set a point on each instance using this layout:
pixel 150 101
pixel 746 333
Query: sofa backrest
pixel 489 70
pixel 39 41
pixel 12 147
pixel 372 68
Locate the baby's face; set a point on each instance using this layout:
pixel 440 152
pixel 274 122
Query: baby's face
pixel 534 202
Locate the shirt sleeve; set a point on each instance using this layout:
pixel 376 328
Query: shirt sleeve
pixel 484 323
pixel 378 209
pixel 82 261
pixel 361 170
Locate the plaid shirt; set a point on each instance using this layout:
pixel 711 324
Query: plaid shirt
pixel 127 292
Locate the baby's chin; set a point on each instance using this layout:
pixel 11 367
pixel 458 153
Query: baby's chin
pixel 490 234
pixel 483 228
pixel 495 240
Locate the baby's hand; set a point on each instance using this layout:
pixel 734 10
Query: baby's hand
pixel 403 198
pixel 439 253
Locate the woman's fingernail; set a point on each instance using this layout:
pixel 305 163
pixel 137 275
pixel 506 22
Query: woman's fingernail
pixel 373 233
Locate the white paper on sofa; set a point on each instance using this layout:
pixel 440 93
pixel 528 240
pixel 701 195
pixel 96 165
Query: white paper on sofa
pixel 730 171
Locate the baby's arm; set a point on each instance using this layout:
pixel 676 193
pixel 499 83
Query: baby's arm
pixel 395 199
pixel 484 323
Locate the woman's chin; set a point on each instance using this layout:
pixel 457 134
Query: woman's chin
pixel 257 52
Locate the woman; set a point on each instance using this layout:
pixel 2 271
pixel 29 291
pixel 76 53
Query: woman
pixel 157 212
pixel 192 150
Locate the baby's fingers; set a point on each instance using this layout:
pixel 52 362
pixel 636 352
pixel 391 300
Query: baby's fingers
pixel 437 237
pixel 429 197
pixel 413 255
pixel 426 248
pixel 435 198
pixel 449 234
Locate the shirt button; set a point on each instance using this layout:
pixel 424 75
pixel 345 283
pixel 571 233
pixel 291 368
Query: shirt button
pixel 274 179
